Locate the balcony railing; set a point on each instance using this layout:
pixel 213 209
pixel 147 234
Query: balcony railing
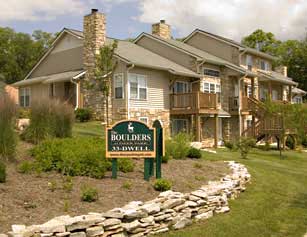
pixel 193 101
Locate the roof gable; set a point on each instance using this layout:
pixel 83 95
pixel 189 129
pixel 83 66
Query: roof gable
pixel 57 45
pixel 230 42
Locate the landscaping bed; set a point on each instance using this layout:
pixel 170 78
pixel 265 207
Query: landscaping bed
pixel 35 198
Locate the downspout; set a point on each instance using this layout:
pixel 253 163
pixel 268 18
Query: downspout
pixel 127 89
pixel 77 92
pixel 240 117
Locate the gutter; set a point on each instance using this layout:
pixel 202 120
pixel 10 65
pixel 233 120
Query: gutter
pixel 77 92
pixel 240 117
pixel 127 89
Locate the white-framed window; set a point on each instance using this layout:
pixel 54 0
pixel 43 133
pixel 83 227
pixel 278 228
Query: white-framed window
pixel 298 100
pixel 264 65
pixel 143 119
pixel 179 125
pixel 137 86
pixel 24 97
pixel 119 86
pixel 210 87
pixel 211 72
pixel 249 62
pixel 181 87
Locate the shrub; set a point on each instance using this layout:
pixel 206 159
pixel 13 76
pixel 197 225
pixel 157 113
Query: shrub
pixel 162 185
pixel 72 156
pixel 198 165
pixel 304 141
pixel 125 165
pixel 8 141
pixel 39 127
pixel 67 184
pixel 2 172
pixel 178 147
pixel 245 145
pixel 290 143
pixel 83 114
pixel 25 167
pixel 230 145
pixel 49 118
pixel 194 153
pixel 62 116
pixel 89 194
pixel 127 185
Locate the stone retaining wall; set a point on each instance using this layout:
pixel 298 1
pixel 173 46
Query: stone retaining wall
pixel 170 210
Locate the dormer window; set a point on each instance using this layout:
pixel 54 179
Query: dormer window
pixel 249 62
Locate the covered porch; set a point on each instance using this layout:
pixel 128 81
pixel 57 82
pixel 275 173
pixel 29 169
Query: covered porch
pixel 61 86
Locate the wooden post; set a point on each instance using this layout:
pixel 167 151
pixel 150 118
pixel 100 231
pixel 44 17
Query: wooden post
pixel 270 90
pixel 198 127
pixel 290 94
pixel 253 126
pixel 216 130
pixel 253 87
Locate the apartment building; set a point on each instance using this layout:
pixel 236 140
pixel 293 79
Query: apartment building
pixel 206 85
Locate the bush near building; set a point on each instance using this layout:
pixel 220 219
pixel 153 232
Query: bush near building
pixel 8 139
pixel 49 119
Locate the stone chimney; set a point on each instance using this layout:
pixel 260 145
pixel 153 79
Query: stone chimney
pixel 162 29
pixel 282 70
pixel 94 31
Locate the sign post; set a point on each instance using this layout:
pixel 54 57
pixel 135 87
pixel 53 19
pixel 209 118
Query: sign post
pixel 160 147
pixel 131 139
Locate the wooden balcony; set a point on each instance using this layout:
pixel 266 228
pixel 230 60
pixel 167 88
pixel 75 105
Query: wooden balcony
pixel 193 103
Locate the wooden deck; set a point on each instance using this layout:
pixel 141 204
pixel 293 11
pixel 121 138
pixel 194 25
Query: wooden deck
pixel 193 103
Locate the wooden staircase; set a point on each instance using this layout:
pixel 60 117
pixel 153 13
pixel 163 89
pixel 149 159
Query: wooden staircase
pixel 265 126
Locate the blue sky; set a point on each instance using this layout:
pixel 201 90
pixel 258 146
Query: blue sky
pixel 121 20
pixel 128 18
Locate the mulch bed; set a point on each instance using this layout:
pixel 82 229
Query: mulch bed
pixel 28 198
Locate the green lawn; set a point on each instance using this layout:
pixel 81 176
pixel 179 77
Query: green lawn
pixel 92 128
pixel 274 204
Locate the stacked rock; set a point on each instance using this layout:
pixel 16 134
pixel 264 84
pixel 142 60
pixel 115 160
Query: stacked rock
pixel 170 210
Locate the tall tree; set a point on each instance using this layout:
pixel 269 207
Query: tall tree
pixel 263 41
pixel 105 66
pixel 290 53
pixel 19 52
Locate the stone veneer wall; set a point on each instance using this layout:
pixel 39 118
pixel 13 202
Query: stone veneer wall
pixel 94 28
pixel 162 29
pixel 170 210
pixel 152 114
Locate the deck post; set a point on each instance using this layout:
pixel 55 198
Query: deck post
pixel 289 95
pixel 253 87
pixel 198 127
pixel 216 118
pixel 270 90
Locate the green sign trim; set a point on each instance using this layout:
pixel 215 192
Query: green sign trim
pixel 130 139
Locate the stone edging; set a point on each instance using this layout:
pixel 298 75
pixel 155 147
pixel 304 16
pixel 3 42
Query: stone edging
pixel 170 210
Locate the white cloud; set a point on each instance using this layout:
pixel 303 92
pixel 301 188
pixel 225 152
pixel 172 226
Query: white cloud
pixel 33 10
pixel 230 18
